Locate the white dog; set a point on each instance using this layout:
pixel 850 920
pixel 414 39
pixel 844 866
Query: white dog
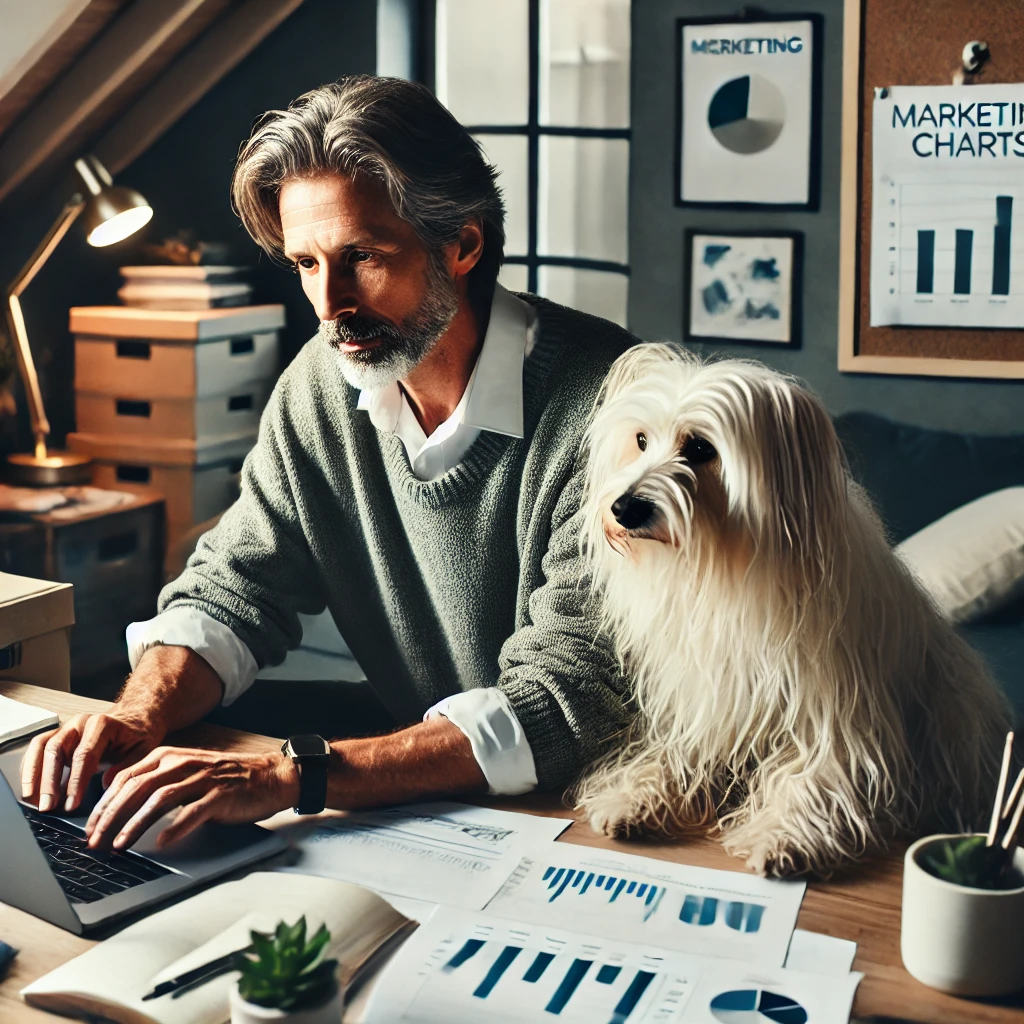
pixel 792 680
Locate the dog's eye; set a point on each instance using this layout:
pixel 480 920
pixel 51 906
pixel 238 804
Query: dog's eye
pixel 641 441
pixel 697 450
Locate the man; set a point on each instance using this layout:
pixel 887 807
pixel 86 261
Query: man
pixel 432 506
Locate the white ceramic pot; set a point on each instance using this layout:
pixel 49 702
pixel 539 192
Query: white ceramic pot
pixel 969 942
pixel 243 1012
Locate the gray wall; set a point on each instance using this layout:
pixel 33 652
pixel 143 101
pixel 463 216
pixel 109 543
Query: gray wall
pixel 657 226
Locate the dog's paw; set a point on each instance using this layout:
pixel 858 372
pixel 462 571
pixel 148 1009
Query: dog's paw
pixel 613 814
pixel 761 860
pixel 770 856
pixel 756 855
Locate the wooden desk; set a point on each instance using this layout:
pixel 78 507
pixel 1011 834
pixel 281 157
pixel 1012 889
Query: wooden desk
pixel 864 908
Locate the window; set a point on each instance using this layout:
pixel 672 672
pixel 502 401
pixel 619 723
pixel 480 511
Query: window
pixel 543 85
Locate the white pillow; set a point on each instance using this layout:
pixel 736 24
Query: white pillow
pixel 972 560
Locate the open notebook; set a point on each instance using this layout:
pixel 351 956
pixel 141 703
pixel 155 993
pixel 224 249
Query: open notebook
pixel 110 979
pixel 18 721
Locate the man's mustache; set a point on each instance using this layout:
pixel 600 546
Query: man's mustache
pixel 357 328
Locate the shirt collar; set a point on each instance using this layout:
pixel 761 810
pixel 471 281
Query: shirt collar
pixel 493 399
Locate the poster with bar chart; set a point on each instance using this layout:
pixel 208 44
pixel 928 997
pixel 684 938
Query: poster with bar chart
pixel 679 907
pixel 947 227
pixel 463 966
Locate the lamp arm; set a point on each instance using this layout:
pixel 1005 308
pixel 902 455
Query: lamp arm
pixel 16 319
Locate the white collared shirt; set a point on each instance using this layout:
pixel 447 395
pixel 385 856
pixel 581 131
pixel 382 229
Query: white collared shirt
pixel 493 401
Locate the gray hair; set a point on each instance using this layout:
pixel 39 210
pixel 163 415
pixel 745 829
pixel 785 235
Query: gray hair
pixel 392 130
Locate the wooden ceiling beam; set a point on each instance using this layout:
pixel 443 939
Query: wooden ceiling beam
pixel 188 79
pixel 133 40
pixel 67 42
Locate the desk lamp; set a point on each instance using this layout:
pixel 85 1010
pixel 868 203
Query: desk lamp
pixel 112 213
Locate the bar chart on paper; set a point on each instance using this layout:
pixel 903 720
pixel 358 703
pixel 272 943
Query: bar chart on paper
pixel 640 900
pixel 606 887
pixel 460 966
pixel 517 973
pixel 949 254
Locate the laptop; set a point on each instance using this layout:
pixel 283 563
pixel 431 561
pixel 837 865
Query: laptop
pixel 49 871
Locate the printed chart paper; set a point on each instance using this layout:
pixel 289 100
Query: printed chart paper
pixel 746 112
pixel 947 217
pixel 434 853
pixel 462 966
pixel 814 953
pixel 639 899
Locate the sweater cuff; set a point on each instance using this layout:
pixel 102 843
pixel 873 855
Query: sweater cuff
pixel 556 750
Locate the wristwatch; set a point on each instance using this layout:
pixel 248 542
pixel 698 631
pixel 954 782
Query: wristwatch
pixel 311 754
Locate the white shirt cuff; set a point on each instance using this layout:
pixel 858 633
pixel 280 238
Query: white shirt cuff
pixel 498 741
pixel 210 639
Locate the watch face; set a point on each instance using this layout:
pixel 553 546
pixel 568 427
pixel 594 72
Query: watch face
pixel 309 745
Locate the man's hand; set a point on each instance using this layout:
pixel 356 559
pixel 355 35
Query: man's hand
pixel 206 785
pixel 120 736
pixel 171 687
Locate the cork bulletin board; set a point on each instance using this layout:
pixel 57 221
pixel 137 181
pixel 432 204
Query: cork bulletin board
pixel 907 42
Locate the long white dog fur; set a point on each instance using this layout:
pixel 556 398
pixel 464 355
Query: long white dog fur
pixel 794 685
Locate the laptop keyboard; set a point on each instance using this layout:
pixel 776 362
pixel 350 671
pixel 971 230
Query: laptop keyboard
pixel 87 875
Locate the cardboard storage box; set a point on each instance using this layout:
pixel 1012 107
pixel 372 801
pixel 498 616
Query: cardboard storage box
pixel 35 620
pixel 192 419
pixel 150 368
pixel 197 480
pixel 113 556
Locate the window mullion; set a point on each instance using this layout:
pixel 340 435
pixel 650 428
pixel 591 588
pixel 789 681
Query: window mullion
pixel 533 144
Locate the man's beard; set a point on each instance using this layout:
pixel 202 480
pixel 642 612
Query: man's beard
pixel 401 346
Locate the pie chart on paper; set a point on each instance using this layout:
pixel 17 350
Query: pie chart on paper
pixel 747 114
pixel 756 1006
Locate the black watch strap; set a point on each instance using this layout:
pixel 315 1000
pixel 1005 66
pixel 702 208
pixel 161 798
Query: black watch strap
pixel 312 785
pixel 311 756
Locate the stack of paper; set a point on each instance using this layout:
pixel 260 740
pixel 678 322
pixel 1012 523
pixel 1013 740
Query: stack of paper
pixel 186 287
pixel 463 966
pixel 577 933
pixel 420 856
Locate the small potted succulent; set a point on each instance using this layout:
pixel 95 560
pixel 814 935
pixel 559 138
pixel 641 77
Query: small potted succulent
pixel 285 978
pixel 963 903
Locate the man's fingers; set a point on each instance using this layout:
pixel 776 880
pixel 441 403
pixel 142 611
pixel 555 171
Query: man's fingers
pixel 88 754
pixel 117 776
pixel 56 754
pixel 129 791
pixel 32 765
pixel 132 757
pixel 156 806
pixel 188 819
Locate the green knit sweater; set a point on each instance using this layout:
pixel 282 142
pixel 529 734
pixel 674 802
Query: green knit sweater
pixel 472 579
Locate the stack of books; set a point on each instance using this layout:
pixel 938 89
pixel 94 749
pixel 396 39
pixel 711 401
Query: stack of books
pixel 185 287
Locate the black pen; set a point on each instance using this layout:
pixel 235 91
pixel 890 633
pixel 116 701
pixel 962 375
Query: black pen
pixel 196 976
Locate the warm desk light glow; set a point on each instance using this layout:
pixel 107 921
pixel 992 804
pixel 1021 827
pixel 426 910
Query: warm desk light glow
pixel 112 213
pixel 120 226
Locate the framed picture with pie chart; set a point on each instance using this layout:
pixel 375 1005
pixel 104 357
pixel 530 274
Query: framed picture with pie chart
pixel 749 112
pixel 743 286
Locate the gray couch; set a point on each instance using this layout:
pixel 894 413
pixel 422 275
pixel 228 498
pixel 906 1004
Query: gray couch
pixel 916 476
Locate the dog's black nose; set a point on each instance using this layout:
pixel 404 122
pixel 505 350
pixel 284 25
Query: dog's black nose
pixel 632 512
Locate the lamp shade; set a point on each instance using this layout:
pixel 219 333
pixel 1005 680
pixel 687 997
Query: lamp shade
pixel 114 213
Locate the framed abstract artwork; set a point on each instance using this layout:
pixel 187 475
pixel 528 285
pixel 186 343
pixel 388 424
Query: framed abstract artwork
pixel 743 286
